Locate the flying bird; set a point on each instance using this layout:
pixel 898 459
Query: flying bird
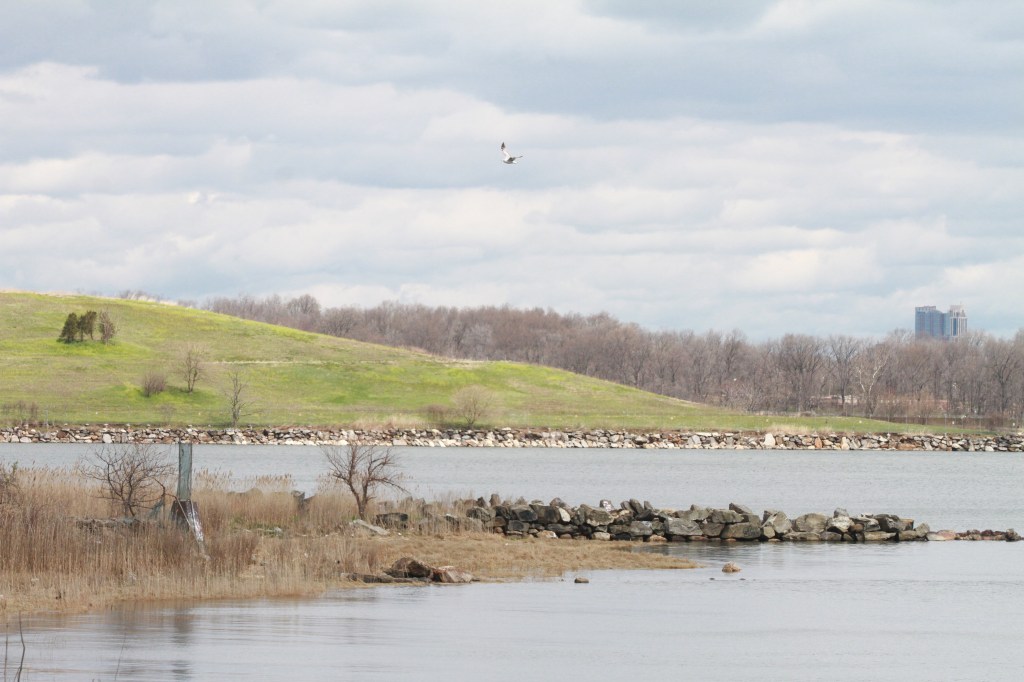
pixel 508 157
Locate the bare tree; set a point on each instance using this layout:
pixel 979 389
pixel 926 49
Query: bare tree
pixel 237 393
pixel 842 352
pixel 191 366
pixel 132 477
pixel 107 327
pixel 472 403
pixel 364 468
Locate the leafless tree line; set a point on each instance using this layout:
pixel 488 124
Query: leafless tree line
pixel 977 377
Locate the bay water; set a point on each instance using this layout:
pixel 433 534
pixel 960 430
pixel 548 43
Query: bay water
pixel 912 611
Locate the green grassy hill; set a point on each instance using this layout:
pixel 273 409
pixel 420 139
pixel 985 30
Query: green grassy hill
pixel 296 378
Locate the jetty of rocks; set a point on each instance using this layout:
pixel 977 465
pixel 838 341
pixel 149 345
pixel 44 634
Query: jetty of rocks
pixel 633 520
pixel 518 438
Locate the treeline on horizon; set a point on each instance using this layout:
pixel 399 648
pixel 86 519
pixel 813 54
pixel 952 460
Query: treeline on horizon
pixel 975 380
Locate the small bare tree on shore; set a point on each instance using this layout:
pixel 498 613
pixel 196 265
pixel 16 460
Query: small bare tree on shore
pixel 472 403
pixel 364 468
pixel 132 477
pixel 191 366
pixel 237 393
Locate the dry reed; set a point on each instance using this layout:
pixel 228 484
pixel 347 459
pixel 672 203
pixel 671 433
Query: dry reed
pixel 61 551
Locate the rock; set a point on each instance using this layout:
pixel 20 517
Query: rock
pixel 711 529
pixel 601 535
pixel 681 527
pixel 741 531
pixel 523 512
pixel 450 575
pixel 725 516
pixel 595 517
pixel 730 567
pixel 408 567
pixel 778 521
pixel 360 527
pixel 803 536
pixel 740 508
pixel 839 524
pixel 640 529
pixel 1011 535
pixel 483 514
pixel 392 520
pixel 810 523
pixel 580 580
pixel 878 536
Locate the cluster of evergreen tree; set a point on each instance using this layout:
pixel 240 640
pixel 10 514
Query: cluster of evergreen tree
pixel 77 327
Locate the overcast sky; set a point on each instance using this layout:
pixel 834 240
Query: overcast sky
pixel 769 166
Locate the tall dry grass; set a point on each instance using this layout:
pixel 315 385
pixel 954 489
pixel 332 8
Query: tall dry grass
pixel 60 549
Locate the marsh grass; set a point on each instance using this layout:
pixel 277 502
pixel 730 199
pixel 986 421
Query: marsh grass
pixel 61 551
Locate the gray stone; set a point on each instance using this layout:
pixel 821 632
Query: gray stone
pixel 711 529
pixel 601 535
pixel 363 528
pixel 741 531
pixel 724 516
pixel 878 536
pixel 741 508
pixel 803 536
pixel 810 523
pixel 640 529
pixel 681 527
pixel 523 512
pixel 484 514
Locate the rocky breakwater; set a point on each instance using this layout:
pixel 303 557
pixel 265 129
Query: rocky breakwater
pixel 517 438
pixel 636 521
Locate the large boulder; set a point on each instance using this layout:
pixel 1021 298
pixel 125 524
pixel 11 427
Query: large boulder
pixel 712 529
pixel 681 527
pixel 725 516
pixel 450 575
pixel 483 514
pixel 523 512
pixel 777 521
pixel 408 567
pixel 741 531
pixel 546 514
pixel 810 523
pixel 398 520
pixel 640 529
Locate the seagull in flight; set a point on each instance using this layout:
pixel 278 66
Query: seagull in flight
pixel 508 157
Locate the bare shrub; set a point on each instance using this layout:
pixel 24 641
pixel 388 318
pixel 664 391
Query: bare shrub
pixel 153 382
pixel 107 327
pixel 133 478
pixel 364 468
pixel 191 366
pixel 237 394
pixel 21 413
pixel 472 403
pixel 438 415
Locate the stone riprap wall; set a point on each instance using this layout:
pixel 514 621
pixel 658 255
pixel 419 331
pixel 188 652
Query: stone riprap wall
pixel 518 438
pixel 638 521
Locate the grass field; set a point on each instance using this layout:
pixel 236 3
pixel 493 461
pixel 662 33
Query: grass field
pixel 297 378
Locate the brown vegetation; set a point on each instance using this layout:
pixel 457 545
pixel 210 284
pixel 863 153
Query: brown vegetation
pixel 977 380
pixel 63 552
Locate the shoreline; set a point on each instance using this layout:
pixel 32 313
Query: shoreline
pixel 519 438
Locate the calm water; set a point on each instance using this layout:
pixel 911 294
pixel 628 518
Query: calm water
pixel 919 611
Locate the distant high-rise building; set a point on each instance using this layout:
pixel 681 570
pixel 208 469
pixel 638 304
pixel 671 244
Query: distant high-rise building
pixel 932 323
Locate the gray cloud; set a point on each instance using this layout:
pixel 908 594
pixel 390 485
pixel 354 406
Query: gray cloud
pixel 768 166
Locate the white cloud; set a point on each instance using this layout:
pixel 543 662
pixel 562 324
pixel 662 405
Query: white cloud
pixel 770 166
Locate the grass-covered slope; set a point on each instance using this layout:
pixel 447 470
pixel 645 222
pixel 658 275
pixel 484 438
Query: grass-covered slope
pixel 291 377
pixel 297 378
